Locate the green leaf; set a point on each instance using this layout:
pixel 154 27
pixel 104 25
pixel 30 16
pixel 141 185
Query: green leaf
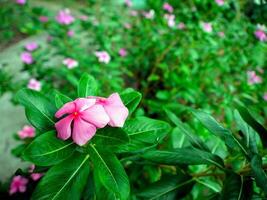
pixel 39 110
pixel 110 172
pixel 17 151
pixel 258 172
pixel 146 130
pixel 236 187
pixel 194 140
pixel 188 156
pixel 110 137
pixel 87 86
pixel 65 180
pixel 247 117
pixel 48 150
pixel 131 99
pixel 214 127
pixel 248 132
pixel 169 187
pixel 61 99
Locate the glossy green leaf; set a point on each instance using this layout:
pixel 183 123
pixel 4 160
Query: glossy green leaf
pixel 131 99
pixel 48 150
pixel 188 156
pixel 110 171
pixel 169 187
pixel 194 140
pixel 17 151
pixel 65 180
pixel 258 173
pixel 39 110
pixel 61 99
pixel 236 187
pixel 87 86
pixel 146 130
pixel 214 127
pixel 110 137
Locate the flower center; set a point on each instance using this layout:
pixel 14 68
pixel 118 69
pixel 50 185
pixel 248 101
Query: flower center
pixel 76 114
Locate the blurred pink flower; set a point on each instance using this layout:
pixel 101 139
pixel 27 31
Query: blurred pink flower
pixel 43 19
pixel 265 96
pixel 70 63
pixel 123 52
pixel 34 84
pixel 31 46
pixel 64 17
pixel 128 3
pixel 70 33
pixel 261 35
pixel 170 20
pixel 83 17
pixel 18 184
pixel 127 26
pixel 253 78
pixel 27 58
pixel 35 176
pixel 85 116
pixel 21 2
pixel 133 13
pixel 181 26
pixel 221 34
pixel 114 107
pixel 149 14
pixel 26 132
pixel 168 7
pixel 220 2
pixel 207 27
pixel 102 56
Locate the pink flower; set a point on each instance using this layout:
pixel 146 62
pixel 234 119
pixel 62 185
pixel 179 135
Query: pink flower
pixel 64 17
pixel 35 176
pixel 149 15
pixel 34 84
pixel 31 46
pixel 26 132
pixel 127 26
pixel 253 78
pixel 85 116
pixel 18 184
pixel 265 96
pixel 21 2
pixel 207 27
pixel 128 3
pixel 220 2
pixel 115 109
pixel 170 20
pixel 133 13
pixel 70 63
pixel 221 34
pixel 102 56
pixel 27 58
pixel 83 17
pixel 181 26
pixel 70 33
pixel 261 35
pixel 168 7
pixel 43 19
pixel 123 52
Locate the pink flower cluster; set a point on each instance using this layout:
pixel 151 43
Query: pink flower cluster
pixel 26 132
pixel 18 184
pixel 34 84
pixel 149 14
pixel 83 116
pixel 70 63
pixel 170 20
pixel 31 46
pixel 253 78
pixel 102 56
pixel 207 27
pixel 260 33
pixel 64 17
pixel 168 7
pixel 123 52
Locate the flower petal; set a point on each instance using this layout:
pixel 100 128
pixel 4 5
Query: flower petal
pixel 64 127
pixel 84 103
pixel 82 131
pixel 65 109
pixel 116 110
pixel 96 115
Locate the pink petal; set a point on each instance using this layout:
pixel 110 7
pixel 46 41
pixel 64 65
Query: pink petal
pixel 83 103
pixel 96 115
pixel 66 109
pixel 116 110
pixel 64 127
pixel 22 188
pixel 82 131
